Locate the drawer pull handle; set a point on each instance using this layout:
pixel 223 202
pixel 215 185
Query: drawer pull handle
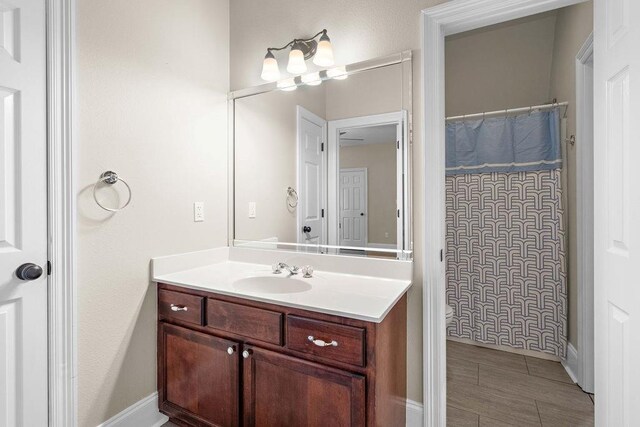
pixel 175 307
pixel 321 343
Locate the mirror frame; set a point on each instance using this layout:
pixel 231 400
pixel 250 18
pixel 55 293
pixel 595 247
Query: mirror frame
pixel 405 59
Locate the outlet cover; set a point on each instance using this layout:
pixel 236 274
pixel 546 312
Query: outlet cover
pixel 198 211
pixel 252 210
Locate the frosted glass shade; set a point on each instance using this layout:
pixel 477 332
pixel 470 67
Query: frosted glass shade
pixel 287 84
pixel 270 70
pixel 338 73
pixel 311 79
pixel 296 62
pixel 324 53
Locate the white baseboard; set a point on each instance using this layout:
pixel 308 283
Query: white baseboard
pixel 143 413
pixel 415 414
pixel 571 362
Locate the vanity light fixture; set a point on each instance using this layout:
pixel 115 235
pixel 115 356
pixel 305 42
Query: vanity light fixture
pixel 287 84
pixel 311 79
pixel 337 73
pixel 301 50
pixel 270 70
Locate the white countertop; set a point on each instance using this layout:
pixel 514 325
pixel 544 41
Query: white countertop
pixel 353 296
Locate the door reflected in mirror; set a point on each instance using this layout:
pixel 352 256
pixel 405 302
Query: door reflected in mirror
pixel 325 169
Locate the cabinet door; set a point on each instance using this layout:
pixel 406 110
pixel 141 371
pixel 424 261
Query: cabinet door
pixel 198 377
pixel 284 391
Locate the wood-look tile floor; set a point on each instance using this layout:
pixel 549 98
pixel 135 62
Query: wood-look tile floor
pixel 492 388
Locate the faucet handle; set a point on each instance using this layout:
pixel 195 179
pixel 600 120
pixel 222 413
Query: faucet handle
pixel 307 271
pixel 276 268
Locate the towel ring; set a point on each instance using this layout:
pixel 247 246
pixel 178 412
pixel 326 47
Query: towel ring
pixel 111 178
pixel 292 198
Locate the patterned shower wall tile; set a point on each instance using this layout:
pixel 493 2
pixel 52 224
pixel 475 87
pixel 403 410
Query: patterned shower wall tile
pixel 506 261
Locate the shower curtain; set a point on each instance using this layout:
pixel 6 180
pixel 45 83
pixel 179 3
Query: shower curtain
pixel 505 241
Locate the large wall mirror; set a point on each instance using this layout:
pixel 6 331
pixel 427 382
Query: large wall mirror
pixel 325 167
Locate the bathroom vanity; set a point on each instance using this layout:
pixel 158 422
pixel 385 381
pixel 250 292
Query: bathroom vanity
pixel 320 177
pixel 239 346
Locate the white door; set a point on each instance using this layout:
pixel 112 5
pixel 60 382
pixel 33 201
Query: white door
pixel 311 178
pixel 23 214
pixel 353 207
pixel 617 211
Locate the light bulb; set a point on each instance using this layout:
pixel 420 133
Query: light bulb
pixel 312 79
pixel 324 52
pixel 296 61
pixel 270 70
pixel 337 73
pixel 287 84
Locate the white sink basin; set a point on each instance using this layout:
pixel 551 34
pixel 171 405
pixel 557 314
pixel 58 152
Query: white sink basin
pixel 271 285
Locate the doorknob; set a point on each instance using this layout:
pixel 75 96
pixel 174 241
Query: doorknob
pixel 29 271
pixel 306 229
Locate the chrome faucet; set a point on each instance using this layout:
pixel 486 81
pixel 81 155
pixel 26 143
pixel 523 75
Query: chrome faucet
pixel 307 270
pixel 292 269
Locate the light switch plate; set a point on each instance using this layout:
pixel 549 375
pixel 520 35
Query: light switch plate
pixel 252 209
pixel 198 211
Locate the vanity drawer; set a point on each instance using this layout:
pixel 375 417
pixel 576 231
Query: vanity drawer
pixel 250 322
pixel 330 341
pixel 179 306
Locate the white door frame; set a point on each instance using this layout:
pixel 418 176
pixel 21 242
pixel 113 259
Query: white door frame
pixel 584 215
pixel 366 200
pixel 303 113
pixel 396 117
pixel 61 212
pixel 437 22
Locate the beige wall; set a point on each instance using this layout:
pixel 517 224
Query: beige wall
pixel 151 101
pixel 380 161
pixel 573 26
pixel 504 66
pixel 370 92
pixel 266 160
pixel 359 30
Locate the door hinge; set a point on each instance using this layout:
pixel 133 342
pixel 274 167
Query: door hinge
pixel 398 213
pixel 48 268
pixel 322 211
pixel 441 255
pixel 398 144
pixel 322 147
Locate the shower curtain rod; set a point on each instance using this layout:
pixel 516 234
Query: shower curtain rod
pixel 509 111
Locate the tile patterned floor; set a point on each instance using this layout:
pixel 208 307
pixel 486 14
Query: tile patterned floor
pixel 491 388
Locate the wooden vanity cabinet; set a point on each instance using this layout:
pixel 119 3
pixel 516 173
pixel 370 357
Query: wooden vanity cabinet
pixel 246 363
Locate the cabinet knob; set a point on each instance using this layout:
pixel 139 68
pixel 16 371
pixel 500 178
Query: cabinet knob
pixel 246 354
pixel 231 350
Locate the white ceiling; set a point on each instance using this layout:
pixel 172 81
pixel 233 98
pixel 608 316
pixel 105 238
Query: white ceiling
pixel 368 135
